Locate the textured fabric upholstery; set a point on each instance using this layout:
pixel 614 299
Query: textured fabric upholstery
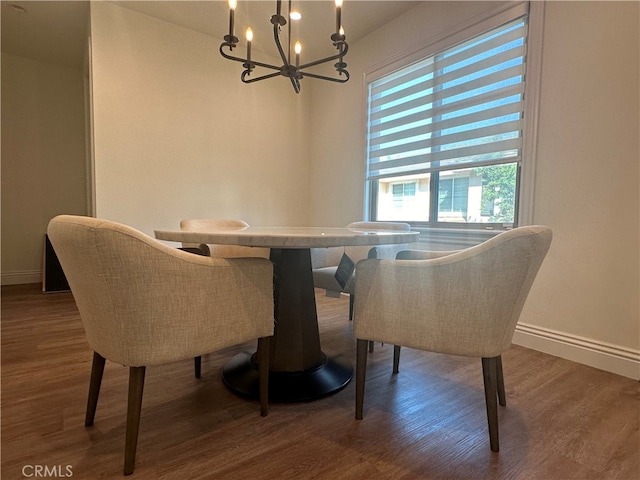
pixel 325 260
pixel 466 303
pixel 325 277
pixel 326 257
pixel 422 254
pixel 379 251
pixel 145 303
pixel 223 251
pixel 462 303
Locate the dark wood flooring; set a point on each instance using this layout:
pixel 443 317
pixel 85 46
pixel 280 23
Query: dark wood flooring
pixel 562 421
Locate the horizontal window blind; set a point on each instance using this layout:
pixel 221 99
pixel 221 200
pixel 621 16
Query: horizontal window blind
pixel 462 107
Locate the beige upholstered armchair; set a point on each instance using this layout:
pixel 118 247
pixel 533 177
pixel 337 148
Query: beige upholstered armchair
pixel 222 251
pixel 325 261
pixel 218 251
pixel 464 303
pixel 144 303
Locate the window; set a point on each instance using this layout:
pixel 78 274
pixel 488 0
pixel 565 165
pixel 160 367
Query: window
pixel 402 190
pixel 445 132
pixel 453 196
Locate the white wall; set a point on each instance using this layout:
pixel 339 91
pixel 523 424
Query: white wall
pixel 587 185
pixel 177 135
pixel 43 152
pixel 339 120
pixel 585 302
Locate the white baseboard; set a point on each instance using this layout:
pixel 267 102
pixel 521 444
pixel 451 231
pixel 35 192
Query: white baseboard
pixel 19 278
pixel 611 358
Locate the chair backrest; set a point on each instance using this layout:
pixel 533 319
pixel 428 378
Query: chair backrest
pixel 222 251
pixel 143 302
pixel 466 303
pixel 327 257
pixel 382 251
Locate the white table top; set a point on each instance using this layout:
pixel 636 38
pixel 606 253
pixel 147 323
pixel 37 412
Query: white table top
pixel 290 237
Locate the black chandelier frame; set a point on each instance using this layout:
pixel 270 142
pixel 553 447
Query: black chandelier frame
pixel 293 71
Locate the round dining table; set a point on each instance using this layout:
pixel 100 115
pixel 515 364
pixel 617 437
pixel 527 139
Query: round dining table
pixel 299 370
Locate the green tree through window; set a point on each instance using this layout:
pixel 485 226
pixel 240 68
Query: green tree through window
pixel 499 191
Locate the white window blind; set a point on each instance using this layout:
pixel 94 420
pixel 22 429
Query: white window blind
pixel 460 108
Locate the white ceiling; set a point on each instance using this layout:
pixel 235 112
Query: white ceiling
pixel 55 31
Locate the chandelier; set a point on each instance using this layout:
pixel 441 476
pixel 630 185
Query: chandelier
pixel 293 70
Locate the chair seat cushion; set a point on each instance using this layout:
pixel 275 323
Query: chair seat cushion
pixel 325 278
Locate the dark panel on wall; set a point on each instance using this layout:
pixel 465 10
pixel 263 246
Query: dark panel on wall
pixel 53 278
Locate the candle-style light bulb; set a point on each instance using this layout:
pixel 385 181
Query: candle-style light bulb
pixel 249 34
pixel 297 48
pixel 338 15
pixel 232 8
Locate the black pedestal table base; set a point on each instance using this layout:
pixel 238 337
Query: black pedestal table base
pixel 240 374
pixel 298 369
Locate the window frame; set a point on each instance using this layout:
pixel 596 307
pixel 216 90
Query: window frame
pixel 525 173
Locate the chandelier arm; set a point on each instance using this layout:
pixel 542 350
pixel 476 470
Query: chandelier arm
pixel 264 65
pixel 295 83
pixel 343 48
pixel 251 80
pixel 243 60
pixel 226 55
pixel 337 56
pixel 331 79
pixel 276 38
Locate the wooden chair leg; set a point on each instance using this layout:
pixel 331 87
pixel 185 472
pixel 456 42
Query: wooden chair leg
pixel 361 372
pixel 134 406
pixel 263 375
pixel 197 365
pixel 97 369
pixel 489 373
pixel 396 358
pixel 502 398
pixel 351 301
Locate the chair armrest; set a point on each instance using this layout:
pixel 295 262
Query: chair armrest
pixel 183 303
pixel 422 254
pixel 413 302
pixel 464 303
pixel 237 251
